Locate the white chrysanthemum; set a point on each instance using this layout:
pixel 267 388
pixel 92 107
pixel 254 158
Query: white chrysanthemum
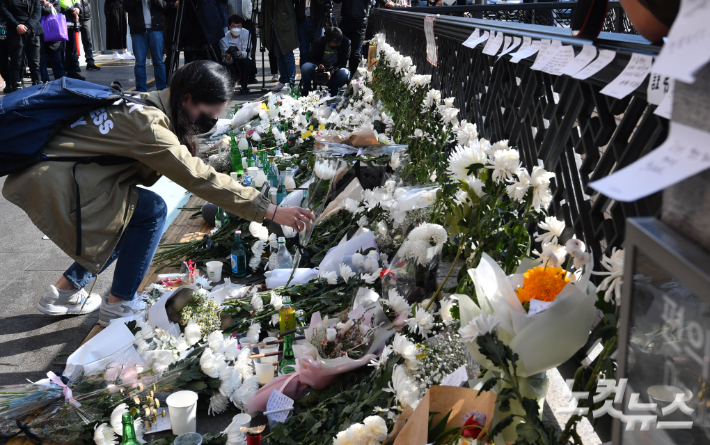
pixel 342 439
pixel 363 221
pixel 235 436
pixel 276 301
pixel 504 164
pixel 254 330
pixel 117 418
pixel 216 341
pixel 377 427
pixel 258 248
pixel 394 160
pixel 422 321
pixel 553 228
pixel 463 157
pixel 433 233
pixel 193 333
pixel 244 364
pixel 540 180
pixel 346 272
pixel 407 349
pixel 331 277
pixel 432 99
pixel 358 260
pixel 255 262
pixel 256 303
pixel 104 435
pixel 448 102
pixel 381 361
pixel 324 171
pixel 245 392
pixel 231 348
pixel 274 319
pixel 416 249
pixel 548 258
pixel 555 249
pixel 397 303
pixel 576 249
pixel 500 145
pixel 273 242
pixel 418 133
pixel 519 188
pixel 203 282
pixel 371 265
pixel 450 115
pixel 258 231
pixel 405 388
pixel 351 206
pixel 218 404
pixel 614 266
pixel 446 305
pixel 467 133
pixel 210 363
pixel 481 325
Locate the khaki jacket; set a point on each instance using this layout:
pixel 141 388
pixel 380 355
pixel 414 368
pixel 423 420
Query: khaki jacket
pixel 46 191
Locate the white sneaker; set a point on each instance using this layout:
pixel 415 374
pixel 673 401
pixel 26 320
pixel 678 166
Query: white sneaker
pixel 278 87
pixel 121 309
pixel 68 302
pixel 275 78
pixel 128 56
pixel 117 56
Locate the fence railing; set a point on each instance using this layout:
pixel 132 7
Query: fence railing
pixel 578 133
pixel 557 14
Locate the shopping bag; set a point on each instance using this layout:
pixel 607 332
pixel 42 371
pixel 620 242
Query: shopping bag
pixel 55 28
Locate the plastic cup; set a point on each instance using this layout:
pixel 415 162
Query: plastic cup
pixel 269 348
pixel 234 176
pixel 214 270
pixel 272 334
pixel 188 439
pixel 246 342
pixel 264 370
pixel 182 406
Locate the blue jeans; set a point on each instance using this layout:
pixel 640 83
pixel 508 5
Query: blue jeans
pixel 54 58
pixel 287 65
pixel 337 79
pixel 134 250
pixel 141 42
pixel 306 34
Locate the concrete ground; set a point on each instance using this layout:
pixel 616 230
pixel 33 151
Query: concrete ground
pixel 34 343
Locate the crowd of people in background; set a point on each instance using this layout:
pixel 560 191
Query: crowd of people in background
pixel 328 35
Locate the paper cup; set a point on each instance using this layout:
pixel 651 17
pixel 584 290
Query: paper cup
pixel 266 349
pixel 241 420
pixel 246 342
pixel 234 176
pixel 214 270
pixel 182 406
pixel 265 370
pixel 188 439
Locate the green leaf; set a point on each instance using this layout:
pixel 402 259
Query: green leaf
pixel 527 434
pixel 438 428
pixel 500 426
pixel 488 385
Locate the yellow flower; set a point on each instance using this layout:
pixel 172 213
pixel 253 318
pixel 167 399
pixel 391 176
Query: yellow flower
pixel 263 106
pixel 321 127
pixel 307 134
pixel 542 283
pixel 310 127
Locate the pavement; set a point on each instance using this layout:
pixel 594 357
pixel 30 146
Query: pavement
pixel 34 343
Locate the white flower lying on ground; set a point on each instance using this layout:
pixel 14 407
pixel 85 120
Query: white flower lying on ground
pixel 254 329
pixel 203 282
pixel 446 305
pixel 231 348
pixel 218 404
pixel 346 272
pixel 504 164
pixel 422 321
pixel 553 228
pixel 216 341
pixel 210 363
pixel 614 266
pixel 397 303
pixel 257 303
pixel 465 156
pixel 117 418
pixel 193 333
pixel 274 319
pixel 407 349
pixel 481 325
pixel 381 361
pixel 324 171
pixel 245 392
pixel 104 435
pixel 331 277
pixel 258 231
pixel 244 364
pixel 235 436
pixel 404 388
pixel 394 160
pixel 276 301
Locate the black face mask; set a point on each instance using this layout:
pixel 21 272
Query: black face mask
pixel 204 123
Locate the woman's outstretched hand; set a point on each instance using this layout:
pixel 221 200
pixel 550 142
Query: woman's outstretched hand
pixel 294 217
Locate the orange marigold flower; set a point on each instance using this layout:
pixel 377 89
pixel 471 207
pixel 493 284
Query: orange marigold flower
pixel 542 283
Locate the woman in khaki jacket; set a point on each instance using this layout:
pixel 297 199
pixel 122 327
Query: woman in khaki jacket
pixel 119 220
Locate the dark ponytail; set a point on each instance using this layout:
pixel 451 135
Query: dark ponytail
pixel 206 82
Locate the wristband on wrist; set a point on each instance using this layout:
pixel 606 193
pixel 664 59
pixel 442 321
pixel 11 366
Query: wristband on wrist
pixel 274 215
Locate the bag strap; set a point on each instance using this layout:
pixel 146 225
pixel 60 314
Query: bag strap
pixel 118 90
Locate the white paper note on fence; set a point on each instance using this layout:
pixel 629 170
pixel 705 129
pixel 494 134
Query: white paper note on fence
pixel 604 59
pixel 665 108
pixel 430 40
pixel 631 78
pixel 456 378
pixel 583 59
pixel 277 400
pixel 658 86
pixel 474 35
pixel 493 44
pixel 525 53
pixel 475 42
pixel 559 60
pixel 686 49
pixel 685 152
pixel 511 47
pixel 547 50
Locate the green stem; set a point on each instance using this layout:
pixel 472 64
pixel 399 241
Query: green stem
pixel 448 274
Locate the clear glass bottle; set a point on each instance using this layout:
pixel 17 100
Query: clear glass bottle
pixel 239 256
pixel 284 260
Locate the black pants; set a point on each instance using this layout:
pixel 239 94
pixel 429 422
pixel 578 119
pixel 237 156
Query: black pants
pixel 273 63
pixel 71 57
pixel 5 63
pixel 85 29
pixel 23 46
pixel 240 69
pixel 354 29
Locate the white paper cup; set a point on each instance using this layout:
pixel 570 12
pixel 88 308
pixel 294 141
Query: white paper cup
pixel 264 370
pixel 188 439
pixel 214 270
pixel 182 406
pixel 241 420
pixel 234 176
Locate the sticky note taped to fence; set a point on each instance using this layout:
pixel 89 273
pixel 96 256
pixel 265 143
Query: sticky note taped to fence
pixel 658 86
pixel 525 53
pixel 665 108
pixel 686 49
pixel 472 43
pixel 583 59
pixel 685 152
pixel 631 78
pixel 493 44
pixel 430 40
pixel 604 59
pixel 511 47
pixel 546 48
pixel 558 61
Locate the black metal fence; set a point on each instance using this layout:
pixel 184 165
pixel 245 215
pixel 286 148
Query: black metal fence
pixel 578 133
pixel 557 14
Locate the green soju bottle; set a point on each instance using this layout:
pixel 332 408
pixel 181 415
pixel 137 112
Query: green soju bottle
pixel 220 218
pixel 250 159
pixel 236 156
pixel 129 433
pixel 288 362
pixel 239 256
pixel 280 192
pixel 236 108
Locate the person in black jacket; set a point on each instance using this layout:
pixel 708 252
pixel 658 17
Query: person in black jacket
pixel 71 55
pixel 5 62
pixel 85 30
pixel 354 25
pixel 22 18
pixel 330 53
pixel 146 26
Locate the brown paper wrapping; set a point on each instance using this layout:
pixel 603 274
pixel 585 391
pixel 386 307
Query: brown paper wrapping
pixel 361 137
pixel 441 399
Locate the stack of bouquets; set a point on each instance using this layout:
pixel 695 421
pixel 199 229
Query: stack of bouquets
pixel 413 270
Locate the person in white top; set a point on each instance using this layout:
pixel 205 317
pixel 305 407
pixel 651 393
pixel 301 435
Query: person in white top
pixel 236 46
